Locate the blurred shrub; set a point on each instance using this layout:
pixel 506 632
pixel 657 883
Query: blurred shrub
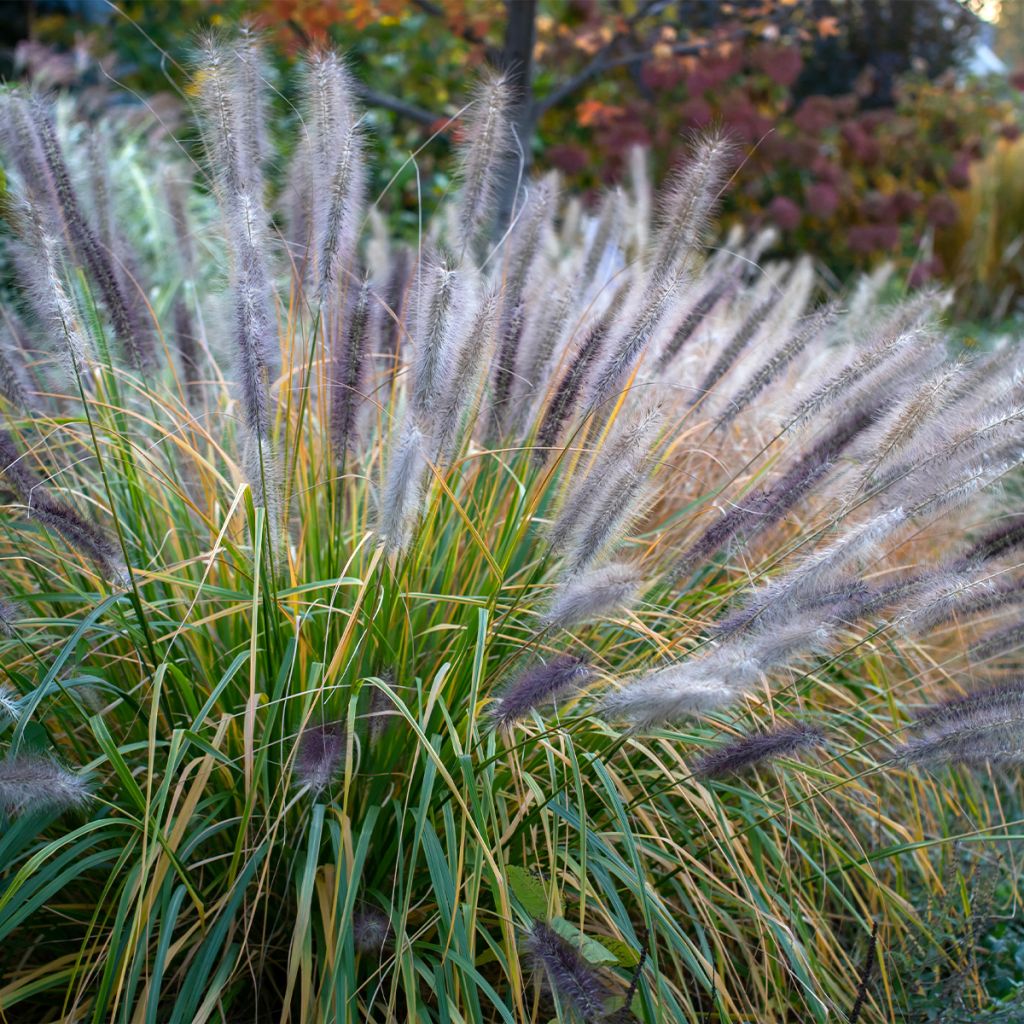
pixel 842 180
pixel 982 248
pixel 879 171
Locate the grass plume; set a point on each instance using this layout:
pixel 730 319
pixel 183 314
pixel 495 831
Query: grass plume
pixel 36 782
pixel 749 751
pixel 517 583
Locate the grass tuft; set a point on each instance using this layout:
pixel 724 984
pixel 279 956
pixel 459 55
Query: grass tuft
pixel 294 513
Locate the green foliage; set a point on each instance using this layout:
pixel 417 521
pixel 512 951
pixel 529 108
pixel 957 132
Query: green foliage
pixel 301 808
pixel 854 155
pixel 972 969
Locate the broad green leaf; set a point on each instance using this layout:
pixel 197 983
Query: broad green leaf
pixel 592 950
pixel 625 955
pixel 529 891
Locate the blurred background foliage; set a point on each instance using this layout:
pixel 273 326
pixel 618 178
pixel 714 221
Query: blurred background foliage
pixel 871 130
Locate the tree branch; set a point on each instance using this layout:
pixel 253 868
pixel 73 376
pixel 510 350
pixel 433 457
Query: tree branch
pixel 603 61
pixel 467 33
pixel 598 64
pixel 397 106
pixel 373 98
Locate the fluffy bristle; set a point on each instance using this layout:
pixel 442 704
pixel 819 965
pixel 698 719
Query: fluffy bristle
pixel 538 686
pixel 573 979
pixel 690 198
pixel 371 928
pixel 984 726
pixel 8 618
pixel 320 756
pixel 593 595
pixel 36 782
pixel 402 495
pixel 749 751
pixel 486 139
pixel 56 515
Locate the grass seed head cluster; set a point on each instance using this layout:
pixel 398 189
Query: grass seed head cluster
pixel 359 588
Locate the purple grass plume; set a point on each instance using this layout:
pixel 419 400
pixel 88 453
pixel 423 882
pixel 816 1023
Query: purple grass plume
pixel 95 256
pixel 15 385
pixel 690 197
pixel 689 200
pixel 43 268
pixel 998 642
pixel 401 498
pixel 606 232
pixel 348 371
pixel 571 977
pixel 741 338
pixel 56 515
pixel 538 686
pixel 381 711
pixel 720 674
pixel 389 314
pixel 443 293
pixel 320 756
pixel 1000 540
pixel 941 596
pixel 511 328
pixel 486 142
pixel 902 335
pixel 749 751
pixel 986 726
pixel 338 167
pixel 824 577
pixel 764 508
pixel 694 317
pixel 606 497
pixel 186 333
pixel 31 782
pixel 570 387
pixel 226 109
pixel 778 362
pixel 371 928
pixel 667 694
pixel 8 618
pixel 461 399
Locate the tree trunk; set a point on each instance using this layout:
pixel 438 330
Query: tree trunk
pixel 517 65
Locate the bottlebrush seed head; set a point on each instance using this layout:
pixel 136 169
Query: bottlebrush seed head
pixel 984 726
pixel 572 978
pixel 750 751
pixel 1001 540
pixel 371 928
pixel 1005 695
pixel 592 595
pixel 30 782
pixel 670 693
pixel 402 494
pixel 487 139
pixel 538 686
pixel 998 642
pixel 320 756
pixel 8 618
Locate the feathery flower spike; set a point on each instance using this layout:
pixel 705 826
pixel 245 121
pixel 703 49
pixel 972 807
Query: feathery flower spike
pixel 320 755
pixel 538 686
pixel 30 782
pixel 757 748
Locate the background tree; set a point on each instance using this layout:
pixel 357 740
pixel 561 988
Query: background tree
pixel 858 138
